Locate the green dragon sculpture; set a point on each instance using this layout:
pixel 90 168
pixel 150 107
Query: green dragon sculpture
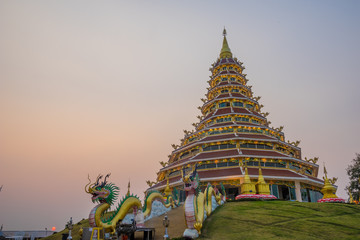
pixel 105 194
pixel 197 202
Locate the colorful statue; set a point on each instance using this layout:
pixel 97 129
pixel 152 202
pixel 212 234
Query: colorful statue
pixel 197 203
pixel 106 194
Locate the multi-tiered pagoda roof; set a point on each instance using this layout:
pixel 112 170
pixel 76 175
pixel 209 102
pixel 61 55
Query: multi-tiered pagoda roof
pixel 232 130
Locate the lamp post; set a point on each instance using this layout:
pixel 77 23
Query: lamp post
pixel 70 225
pixel 166 223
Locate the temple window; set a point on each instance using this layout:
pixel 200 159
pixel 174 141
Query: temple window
pixel 243 130
pixel 210 165
pixel 174 173
pixel 233 164
pixel 192 139
pixel 223 164
pixel 201 166
pixel 219 146
pixel 196 150
pixel 253 145
pixel 249 106
pixel 228 119
pixel 211 148
pixel 214 132
pixel 224 79
pixel 281 149
pixel 235 90
pixel 232 79
pixel 224 68
pixel 270 164
pixel 249 145
pixel 224 104
pixel 242 119
pixel 184 155
pixel 224 91
pixel 238 104
pixel 256 131
pixel 294 166
pixel 255 163
pixel 254 121
pixel 227 130
pixel 230 68
pixel 226 146
pixel 280 165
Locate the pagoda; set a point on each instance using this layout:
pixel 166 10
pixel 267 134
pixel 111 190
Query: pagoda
pixel 233 132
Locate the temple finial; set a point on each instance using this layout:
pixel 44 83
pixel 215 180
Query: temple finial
pixel 128 192
pixel 325 172
pixel 225 50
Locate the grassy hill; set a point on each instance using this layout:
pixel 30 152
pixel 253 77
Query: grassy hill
pixel 283 220
pixel 264 220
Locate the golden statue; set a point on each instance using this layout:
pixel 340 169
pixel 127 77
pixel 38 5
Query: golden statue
pixel 329 190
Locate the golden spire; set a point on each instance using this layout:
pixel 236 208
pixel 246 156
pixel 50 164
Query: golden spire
pixel 128 192
pixel 325 172
pixel 262 186
pixel 261 177
pixel 225 50
pixel 246 177
pixel 247 187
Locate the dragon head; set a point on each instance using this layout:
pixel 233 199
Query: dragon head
pixel 102 192
pixel 191 180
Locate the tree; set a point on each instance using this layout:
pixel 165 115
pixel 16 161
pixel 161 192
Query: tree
pixel 353 171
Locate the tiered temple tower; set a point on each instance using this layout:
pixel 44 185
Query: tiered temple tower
pixel 233 130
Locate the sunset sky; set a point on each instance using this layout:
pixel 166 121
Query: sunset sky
pixel 89 87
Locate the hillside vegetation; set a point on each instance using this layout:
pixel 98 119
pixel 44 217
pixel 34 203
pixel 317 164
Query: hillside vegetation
pixel 263 220
pixel 283 220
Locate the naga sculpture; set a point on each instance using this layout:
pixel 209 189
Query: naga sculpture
pixel 313 160
pixel 197 202
pixel 106 194
pixel 279 129
pixel 295 143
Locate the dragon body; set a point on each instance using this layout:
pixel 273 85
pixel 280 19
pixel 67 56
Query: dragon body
pixel 105 194
pixel 198 203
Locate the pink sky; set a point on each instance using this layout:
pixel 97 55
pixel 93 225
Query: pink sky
pixel 90 87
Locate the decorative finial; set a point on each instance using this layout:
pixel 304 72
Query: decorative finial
pixel 325 172
pixel 128 192
pixel 224 32
pixel 225 50
pixel 260 164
